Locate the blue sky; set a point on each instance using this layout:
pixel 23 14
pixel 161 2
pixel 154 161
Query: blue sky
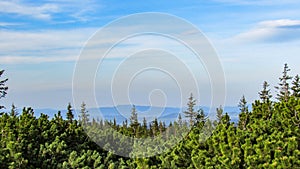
pixel 41 40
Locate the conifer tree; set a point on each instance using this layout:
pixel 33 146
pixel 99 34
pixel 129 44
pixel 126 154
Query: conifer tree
pixel 219 113
pixel 125 123
pixel 144 123
pixel 243 105
pixel 115 123
pixel 84 116
pixel 13 111
pixel 134 123
pixel 70 114
pixel 190 113
pixel 180 122
pixel 161 127
pixel 244 115
pixel 3 87
pixel 284 88
pixel 28 141
pixel 200 116
pixel 296 86
pixel 154 127
pixel 265 94
pixel 145 126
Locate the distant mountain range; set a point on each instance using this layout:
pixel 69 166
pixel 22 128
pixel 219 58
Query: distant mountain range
pixel 123 112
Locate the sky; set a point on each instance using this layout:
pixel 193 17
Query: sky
pixel 41 41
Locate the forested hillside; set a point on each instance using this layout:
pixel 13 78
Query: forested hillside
pixel 268 136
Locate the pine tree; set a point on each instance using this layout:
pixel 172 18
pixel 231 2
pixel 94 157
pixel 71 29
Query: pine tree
pixel 244 115
pixel 154 127
pixel 200 116
pixel 190 113
pixel 115 123
pixel 84 116
pixel 3 87
pixel 296 86
pixel 145 126
pixel 219 113
pixel 265 94
pixel 144 123
pixel 161 127
pixel 13 111
pixel 134 123
pixel 243 105
pixel 70 114
pixel 284 88
pixel 180 122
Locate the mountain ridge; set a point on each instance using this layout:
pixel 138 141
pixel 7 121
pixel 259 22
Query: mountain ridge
pixel 123 112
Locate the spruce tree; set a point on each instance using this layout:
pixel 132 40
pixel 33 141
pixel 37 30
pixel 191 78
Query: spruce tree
pixel 244 114
pixel 161 127
pixel 180 122
pixel 70 114
pixel 84 116
pixel 13 111
pixel 115 123
pixel 134 123
pixel 265 94
pixel 243 105
pixel 3 87
pixel 154 127
pixel 296 86
pixel 190 113
pixel 144 123
pixel 219 113
pixel 200 116
pixel 145 127
pixel 284 87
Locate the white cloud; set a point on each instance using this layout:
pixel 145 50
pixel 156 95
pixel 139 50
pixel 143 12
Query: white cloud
pixel 7 24
pixel 40 12
pixel 257 2
pixel 76 9
pixel 280 23
pixel 79 10
pixel 282 30
pixel 12 41
pixel 34 60
pixel 19 47
pixel 44 46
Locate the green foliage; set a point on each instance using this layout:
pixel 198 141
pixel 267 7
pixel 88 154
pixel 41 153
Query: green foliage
pixel 268 136
pixel 296 86
pixel 244 115
pixel 269 140
pixel 284 86
pixel 84 116
pixel 265 94
pixel 190 113
pixel 70 114
pixel 3 87
pixel 219 113
pixel 134 123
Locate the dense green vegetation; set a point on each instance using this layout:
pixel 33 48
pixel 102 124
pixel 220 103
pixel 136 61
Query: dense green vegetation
pixel 268 136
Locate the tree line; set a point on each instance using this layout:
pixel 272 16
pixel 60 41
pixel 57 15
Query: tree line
pixel 267 136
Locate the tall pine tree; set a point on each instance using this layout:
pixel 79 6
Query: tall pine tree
pixel 265 94
pixel 70 114
pixel 13 111
pixel 134 123
pixel 296 86
pixel 190 113
pixel 84 116
pixel 219 113
pixel 284 87
pixel 244 115
pixel 3 87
